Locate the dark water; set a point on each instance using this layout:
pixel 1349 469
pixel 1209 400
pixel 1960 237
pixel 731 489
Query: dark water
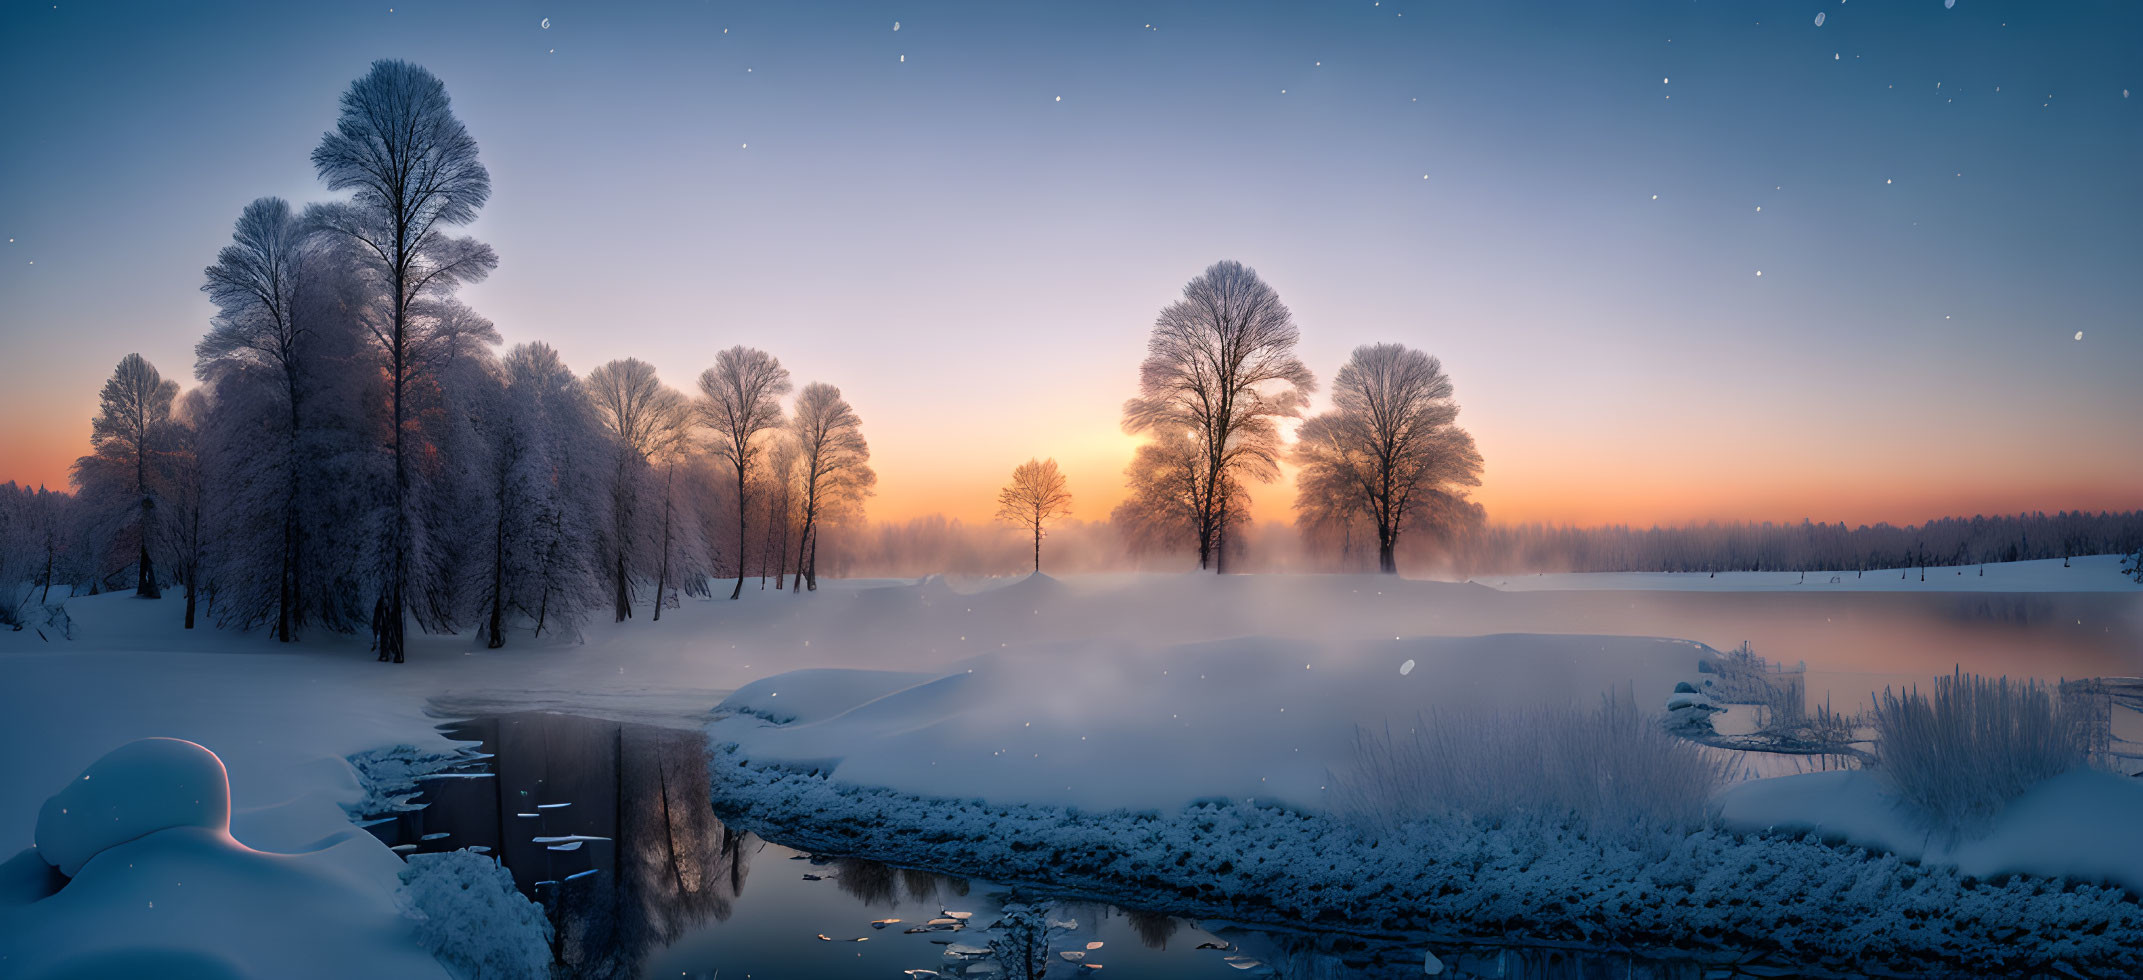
pixel 663 890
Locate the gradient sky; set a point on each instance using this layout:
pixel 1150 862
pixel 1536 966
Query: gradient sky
pixel 1568 203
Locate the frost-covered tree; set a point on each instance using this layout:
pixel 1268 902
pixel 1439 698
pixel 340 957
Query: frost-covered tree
pixel 1221 366
pixel 833 467
pixel 116 477
pixel 1166 484
pixel 1035 497
pixel 1389 446
pixel 742 402
pixel 644 417
pixel 257 285
pixel 455 385
pixel 34 550
pixel 669 451
pixel 414 170
pixel 539 430
pixel 180 484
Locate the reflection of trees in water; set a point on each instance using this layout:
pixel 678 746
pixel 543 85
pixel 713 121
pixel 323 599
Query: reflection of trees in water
pixel 1154 929
pixel 677 866
pixel 874 884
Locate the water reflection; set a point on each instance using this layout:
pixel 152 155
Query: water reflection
pixel 610 827
pixel 606 825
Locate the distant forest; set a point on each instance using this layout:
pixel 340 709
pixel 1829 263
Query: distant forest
pixel 1807 546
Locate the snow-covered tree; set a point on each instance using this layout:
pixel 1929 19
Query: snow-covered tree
pixel 257 284
pixel 180 484
pixel 1035 497
pixel 414 170
pixel 115 479
pixel 539 430
pixel 644 418
pixel 833 467
pixel 1221 366
pixel 1388 447
pixel 35 535
pixel 742 403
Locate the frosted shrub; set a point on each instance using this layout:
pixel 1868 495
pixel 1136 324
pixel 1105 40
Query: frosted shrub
pixel 1960 756
pixel 1024 934
pixel 1610 768
pixel 469 915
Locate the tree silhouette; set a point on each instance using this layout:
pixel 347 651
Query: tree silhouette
pixel 743 400
pixel 1221 366
pixel 1035 497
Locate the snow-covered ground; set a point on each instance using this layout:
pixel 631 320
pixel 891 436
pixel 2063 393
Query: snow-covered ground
pixel 2089 573
pixel 1084 695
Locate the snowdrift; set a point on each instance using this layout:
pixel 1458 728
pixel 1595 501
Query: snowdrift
pixel 155 885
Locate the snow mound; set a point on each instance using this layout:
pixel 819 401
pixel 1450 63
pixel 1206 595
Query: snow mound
pixel 470 915
pixel 137 789
pixel 157 886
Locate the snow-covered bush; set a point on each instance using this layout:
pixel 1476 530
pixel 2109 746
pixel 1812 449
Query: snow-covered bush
pixel 1961 755
pixel 1021 945
pixel 1609 768
pixel 471 917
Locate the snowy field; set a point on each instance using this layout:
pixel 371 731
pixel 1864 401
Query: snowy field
pixel 1129 694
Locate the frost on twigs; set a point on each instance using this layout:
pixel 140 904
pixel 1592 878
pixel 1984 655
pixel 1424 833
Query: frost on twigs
pixel 468 913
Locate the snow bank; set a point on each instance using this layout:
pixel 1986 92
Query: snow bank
pixel 159 887
pixel 2091 573
pixel 139 788
pixel 1819 904
pixel 1103 727
pixel 470 915
pixel 2082 825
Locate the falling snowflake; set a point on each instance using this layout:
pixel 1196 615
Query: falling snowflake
pixel 1759 273
pixel 1947 4
pixel 1406 668
pixel 546 23
pixel 896 25
pixel 2079 335
pixel 1819 19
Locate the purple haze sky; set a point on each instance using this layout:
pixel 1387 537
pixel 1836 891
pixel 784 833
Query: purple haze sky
pixel 972 242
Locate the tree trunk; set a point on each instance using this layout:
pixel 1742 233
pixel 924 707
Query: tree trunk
pixel 387 612
pixel 811 564
pixel 498 575
pixel 624 598
pixel 1385 562
pixel 738 592
pixel 662 568
pixel 1037 547
pixel 192 588
pixel 781 559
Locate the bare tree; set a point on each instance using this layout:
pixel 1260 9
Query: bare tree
pixel 413 167
pixel 1221 366
pixel 255 285
pixel 742 400
pixel 646 419
pixel 118 474
pixel 1035 497
pixel 833 466
pixel 1387 447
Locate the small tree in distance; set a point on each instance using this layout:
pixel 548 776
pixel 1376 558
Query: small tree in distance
pixel 1035 497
